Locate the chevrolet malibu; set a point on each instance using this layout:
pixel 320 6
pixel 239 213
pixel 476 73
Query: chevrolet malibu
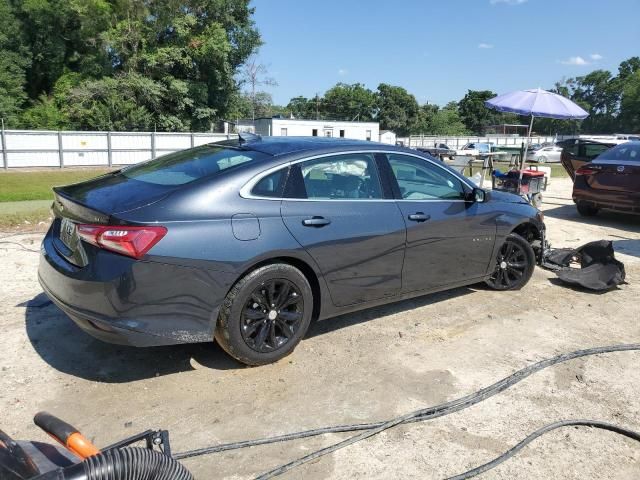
pixel 248 241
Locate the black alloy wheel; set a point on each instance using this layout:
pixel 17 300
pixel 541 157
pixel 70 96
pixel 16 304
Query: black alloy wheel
pixel 272 315
pixel 514 264
pixel 265 314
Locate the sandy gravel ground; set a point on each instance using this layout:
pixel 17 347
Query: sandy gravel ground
pixel 361 367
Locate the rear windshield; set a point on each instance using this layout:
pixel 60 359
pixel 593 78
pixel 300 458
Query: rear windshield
pixel 189 165
pixel 629 152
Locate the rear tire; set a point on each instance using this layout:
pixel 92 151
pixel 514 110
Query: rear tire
pixel 586 210
pixel 515 263
pixel 265 315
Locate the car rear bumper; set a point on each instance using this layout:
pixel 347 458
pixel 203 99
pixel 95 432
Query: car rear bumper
pixel 626 202
pixel 139 303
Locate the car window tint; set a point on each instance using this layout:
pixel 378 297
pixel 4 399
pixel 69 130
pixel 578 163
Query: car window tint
pixel 271 185
pixel 629 152
pixel 592 150
pixel 348 176
pixel 188 165
pixel 422 180
pixel 571 147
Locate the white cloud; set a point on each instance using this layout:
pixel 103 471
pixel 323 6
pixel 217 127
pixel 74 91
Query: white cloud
pixel 485 45
pixel 578 60
pixel 596 56
pixel 342 72
pixel 507 2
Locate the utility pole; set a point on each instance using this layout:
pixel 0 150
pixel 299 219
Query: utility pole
pixel 317 107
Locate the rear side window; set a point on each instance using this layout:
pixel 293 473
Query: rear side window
pixel 271 185
pixel 340 177
pixel 592 150
pixel 189 165
pixel 626 152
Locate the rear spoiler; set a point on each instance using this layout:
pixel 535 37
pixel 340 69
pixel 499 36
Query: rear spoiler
pixel 63 206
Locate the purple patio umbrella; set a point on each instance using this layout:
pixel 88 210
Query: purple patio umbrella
pixel 537 103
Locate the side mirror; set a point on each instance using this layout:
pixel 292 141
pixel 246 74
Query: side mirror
pixel 480 196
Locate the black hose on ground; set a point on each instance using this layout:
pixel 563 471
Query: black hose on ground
pixel 371 429
pixel 123 464
pixel 538 433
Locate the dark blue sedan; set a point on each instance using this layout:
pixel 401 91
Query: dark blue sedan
pixel 248 241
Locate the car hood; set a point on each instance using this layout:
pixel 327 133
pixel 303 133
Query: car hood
pixel 506 197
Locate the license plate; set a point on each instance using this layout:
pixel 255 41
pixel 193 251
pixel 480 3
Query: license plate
pixel 67 232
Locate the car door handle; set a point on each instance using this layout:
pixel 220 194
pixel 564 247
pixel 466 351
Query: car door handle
pixel 316 222
pixel 419 217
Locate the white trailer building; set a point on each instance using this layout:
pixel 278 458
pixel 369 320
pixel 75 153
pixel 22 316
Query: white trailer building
pixel 287 127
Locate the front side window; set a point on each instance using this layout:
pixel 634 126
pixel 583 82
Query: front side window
pixel 421 180
pixel 340 177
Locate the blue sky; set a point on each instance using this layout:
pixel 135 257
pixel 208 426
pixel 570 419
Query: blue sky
pixel 439 49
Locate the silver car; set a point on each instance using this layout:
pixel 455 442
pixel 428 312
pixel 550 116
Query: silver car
pixel 546 154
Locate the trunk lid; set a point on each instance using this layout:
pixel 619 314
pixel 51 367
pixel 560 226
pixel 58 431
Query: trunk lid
pixel 616 176
pixel 95 202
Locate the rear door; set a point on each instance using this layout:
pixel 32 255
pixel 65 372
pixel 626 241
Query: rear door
pixel 337 210
pixel 449 239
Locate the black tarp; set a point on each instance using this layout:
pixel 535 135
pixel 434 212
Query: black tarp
pixel 599 270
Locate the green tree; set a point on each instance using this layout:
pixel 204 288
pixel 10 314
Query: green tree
pixel 14 60
pixel 447 121
pixel 303 107
pixel 475 114
pixel 62 35
pixel 349 102
pixel 599 93
pixel 398 109
pixel 630 104
pixel 174 62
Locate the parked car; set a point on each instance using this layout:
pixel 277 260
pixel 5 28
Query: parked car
pixel 439 150
pixel 474 149
pixel 545 154
pixel 577 152
pixel 611 181
pixel 249 241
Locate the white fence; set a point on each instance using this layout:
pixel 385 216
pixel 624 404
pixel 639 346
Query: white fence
pixel 32 148
pixel 459 142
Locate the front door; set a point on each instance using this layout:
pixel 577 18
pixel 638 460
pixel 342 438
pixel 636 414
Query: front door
pixel 449 239
pixel 338 214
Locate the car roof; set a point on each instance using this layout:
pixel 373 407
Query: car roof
pixel 276 146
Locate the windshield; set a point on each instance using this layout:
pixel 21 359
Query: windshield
pixel 624 152
pixel 186 166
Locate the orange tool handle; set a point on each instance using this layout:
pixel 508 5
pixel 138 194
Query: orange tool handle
pixel 66 434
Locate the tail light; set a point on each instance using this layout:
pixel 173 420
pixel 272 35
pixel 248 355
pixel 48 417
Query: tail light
pixel 131 241
pixel 587 170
